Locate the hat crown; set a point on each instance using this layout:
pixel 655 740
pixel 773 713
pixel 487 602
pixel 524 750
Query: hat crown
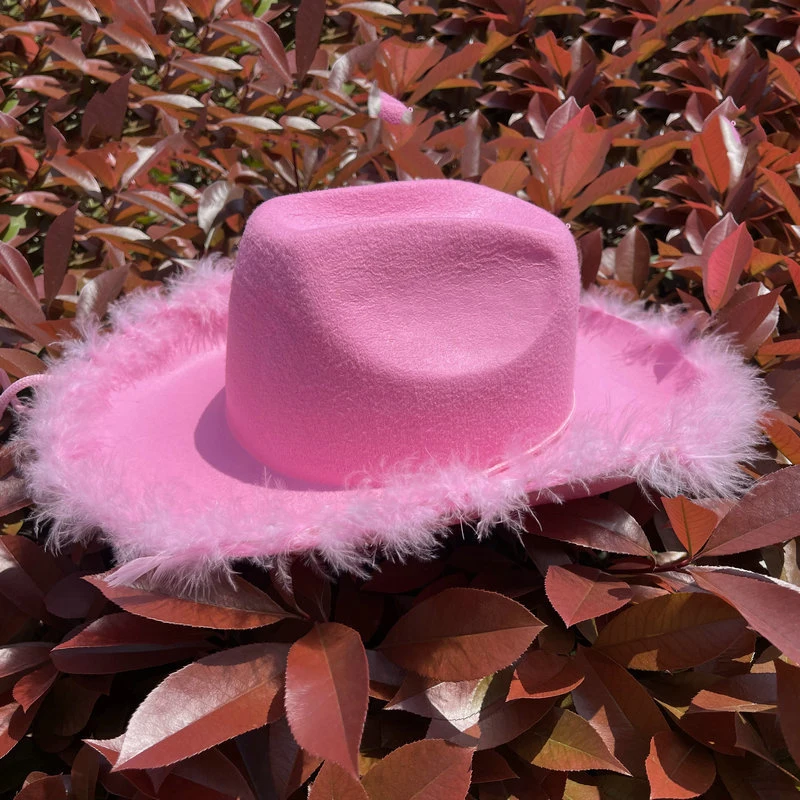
pixel 400 322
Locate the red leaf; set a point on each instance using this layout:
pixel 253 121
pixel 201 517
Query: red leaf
pixel 768 514
pixel 206 703
pixel 33 686
pixel 609 183
pixel 710 153
pixel 105 112
pixel 18 270
pixel 20 309
pixel 327 691
pixel 787 75
pixel 778 189
pixel 691 523
pixel 84 773
pixel 488 766
pixel 590 246
pixel 465 59
pixel 592 523
pixel 558 57
pixel 100 291
pixel 18 363
pixel 571 159
pixel 415 163
pixel 308 28
pixel 334 783
pixel 724 267
pixel 289 765
pixel 50 787
pixel 754 692
pixel 578 593
pixel 677 768
pixel 506 176
pixel 27 572
pixel 674 631
pixel 788 680
pixel 618 707
pixel 496 725
pixel 542 674
pixel 750 316
pixel 16 658
pixel 209 774
pixel 565 742
pixel 262 35
pixel 632 258
pixel 73 598
pixel 461 634
pixel 457 702
pixel 14 724
pixel 751 779
pixel 212 201
pixel 770 606
pixel 426 770
pixel 234 605
pixel 122 642
pixel 57 246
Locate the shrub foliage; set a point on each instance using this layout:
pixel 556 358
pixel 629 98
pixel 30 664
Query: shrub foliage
pixel 629 647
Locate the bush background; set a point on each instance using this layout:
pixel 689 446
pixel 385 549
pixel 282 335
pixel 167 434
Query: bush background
pixel 137 137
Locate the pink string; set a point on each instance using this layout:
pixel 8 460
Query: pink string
pixel 9 396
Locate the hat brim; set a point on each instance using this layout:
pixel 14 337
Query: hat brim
pixel 128 438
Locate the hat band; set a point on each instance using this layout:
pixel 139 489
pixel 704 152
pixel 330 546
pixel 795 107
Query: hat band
pixel 503 465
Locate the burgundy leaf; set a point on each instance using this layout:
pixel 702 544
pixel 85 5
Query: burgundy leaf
pixel 456 64
pixel 208 702
pixel 593 522
pixel 788 686
pixel 564 741
pixel 15 658
pixel 579 593
pixel 234 605
pixel 770 606
pixel 334 783
pixel 677 767
pixel 100 291
pixel 18 271
pixel 308 25
pixel 768 514
pixel 122 642
pixel 461 634
pixel 691 523
pixel 33 686
pixel 618 707
pixel 541 674
pixel 27 573
pixel 632 258
pixel 57 244
pixel 426 770
pixel 104 114
pixel 674 631
pixel 327 690
pixel 724 267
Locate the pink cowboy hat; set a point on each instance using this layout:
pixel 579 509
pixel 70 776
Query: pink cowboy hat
pixel 383 362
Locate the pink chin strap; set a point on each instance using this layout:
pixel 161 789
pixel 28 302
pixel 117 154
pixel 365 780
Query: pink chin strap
pixel 11 390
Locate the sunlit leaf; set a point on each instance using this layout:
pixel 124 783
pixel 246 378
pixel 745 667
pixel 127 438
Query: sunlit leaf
pixel 461 634
pixel 674 631
pixel 327 688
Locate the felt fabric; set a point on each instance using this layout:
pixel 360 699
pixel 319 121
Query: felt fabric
pixel 406 322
